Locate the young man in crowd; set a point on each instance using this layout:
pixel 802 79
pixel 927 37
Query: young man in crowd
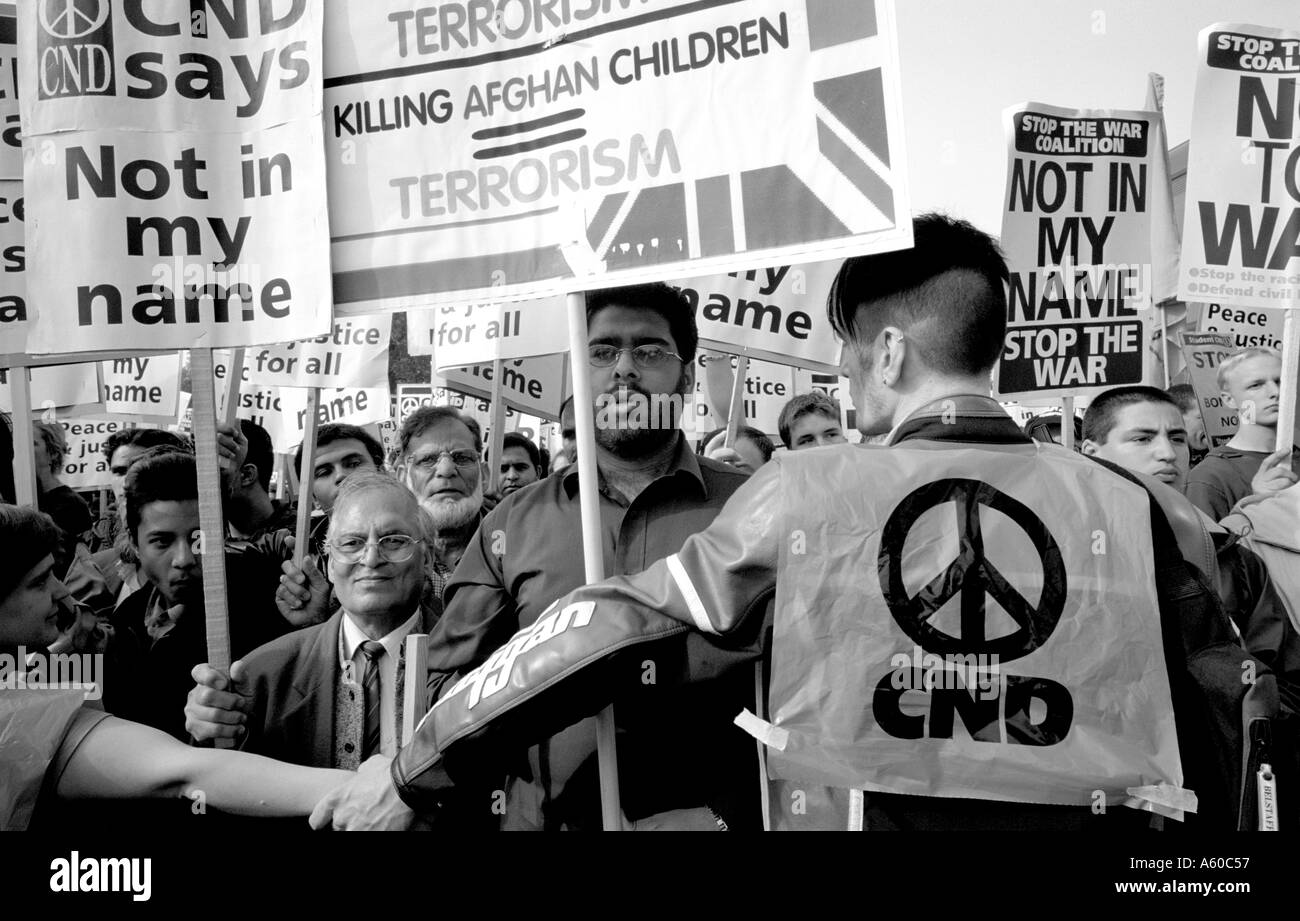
pixel 1251 383
pixel 69 510
pixel 751 450
pixel 923 330
pixel 810 420
pixel 521 463
pixel 1198 444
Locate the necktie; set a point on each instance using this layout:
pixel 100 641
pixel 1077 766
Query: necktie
pixel 371 734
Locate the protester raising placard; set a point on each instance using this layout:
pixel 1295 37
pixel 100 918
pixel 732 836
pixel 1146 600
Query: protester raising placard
pixel 174 174
pixel 1203 353
pixel 554 147
pixel 1077 234
pixel 1241 233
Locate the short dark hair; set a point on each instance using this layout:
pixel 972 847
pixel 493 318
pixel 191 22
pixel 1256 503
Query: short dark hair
pixel 340 431
pixel 1184 396
pixel 802 404
pixel 260 453
pixel 515 440
pixel 1099 420
pixel 141 438
pixel 426 417
pixel 26 537
pixel 948 292
pixel 162 474
pixel 56 442
pixel 760 440
pixel 659 298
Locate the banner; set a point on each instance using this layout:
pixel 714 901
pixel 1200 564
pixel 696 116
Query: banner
pixel 56 386
pixel 460 336
pixel 1241 230
pixel 536 386
pixel 174 174
pixel 85 466
pixel 354 354
pixel 1204 352
pixel 11 144
pixel 1077 235
pixel 142 386
pixel 282 411
pixel 768 387
pixel 776 314
pixel 14 321
pixel 1247 327
pixel 487 152
pixel 943 628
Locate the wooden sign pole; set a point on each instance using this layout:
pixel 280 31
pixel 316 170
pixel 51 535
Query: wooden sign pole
pixel 212 521
pixel 1286 404
pixel 1067 423
pixel 20 388
pixel 413 693
pixel 304 476
pixel 736 414
pixel 497 428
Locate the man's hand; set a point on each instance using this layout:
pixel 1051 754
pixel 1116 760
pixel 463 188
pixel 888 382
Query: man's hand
pixel 368 802
pixel 232 447
pixel 304 594
pixel 1274 474
pixel 730 456
pixel 217 705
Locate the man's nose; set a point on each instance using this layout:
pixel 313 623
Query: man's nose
pixel 1164 449
pixel 625 367
pixel 445 468
pixel 183 557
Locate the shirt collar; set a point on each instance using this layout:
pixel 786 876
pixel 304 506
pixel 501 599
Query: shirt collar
pixel 684 461
pixel 949 418
pixel 351 637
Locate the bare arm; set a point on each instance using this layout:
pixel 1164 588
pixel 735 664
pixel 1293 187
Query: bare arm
pixel 122 759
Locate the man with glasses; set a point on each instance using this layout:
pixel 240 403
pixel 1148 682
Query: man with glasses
pixel 676 758
pixel 331 695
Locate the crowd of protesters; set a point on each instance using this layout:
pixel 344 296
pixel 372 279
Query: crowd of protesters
pixel 471 549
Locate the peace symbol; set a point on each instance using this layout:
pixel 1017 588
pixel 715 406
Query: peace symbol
pixel 971 574
pixel 73 18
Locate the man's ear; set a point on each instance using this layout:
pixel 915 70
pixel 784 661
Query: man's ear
pixel 687 384
pixel 1089 447
pixel 893 347
pixel 247 476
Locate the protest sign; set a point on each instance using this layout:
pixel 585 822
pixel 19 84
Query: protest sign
pixel 767 388
pixel 148 386
pixel 1077 235
pixel 460 336
pixel 918 651
pixel 775 314
pixel 56 387
pixel 85 466
pixel 174 174
pixel 353 354
pixel 14 320
pixel 835 387
pixel 536 386
pixel 1247 327
pixel 545 148
pixel 11 144
pixel 1241 231
pixel 1203 353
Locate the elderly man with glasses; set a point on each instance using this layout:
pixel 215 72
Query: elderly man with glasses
pixel 331 695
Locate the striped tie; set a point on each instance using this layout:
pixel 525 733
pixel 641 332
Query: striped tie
pixel 371 735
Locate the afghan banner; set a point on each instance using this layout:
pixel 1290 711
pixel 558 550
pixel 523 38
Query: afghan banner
pixel 774 314
pixel 174 173
pixel 1077 235
pixel 1241 231
pixel 353 354
pixel 491 151
pixel 142 386
pixel 13 269
pixel 992 608
pixel 1203 353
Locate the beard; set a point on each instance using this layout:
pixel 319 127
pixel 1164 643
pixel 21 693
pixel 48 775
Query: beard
pixel 661 420
pixel 455 514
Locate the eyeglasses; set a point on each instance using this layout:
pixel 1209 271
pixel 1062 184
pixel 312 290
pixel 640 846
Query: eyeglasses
pixel 429 462
pixel 393 548
pixel 643 356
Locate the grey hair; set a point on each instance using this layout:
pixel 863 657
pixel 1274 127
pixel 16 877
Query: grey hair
pixel 374 481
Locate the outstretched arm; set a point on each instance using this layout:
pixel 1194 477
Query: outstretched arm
pixel 122 759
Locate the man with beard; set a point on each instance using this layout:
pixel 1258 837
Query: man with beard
pixel 440 464
pixel 682 762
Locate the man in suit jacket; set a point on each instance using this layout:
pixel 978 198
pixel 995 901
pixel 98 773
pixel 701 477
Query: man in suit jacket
pixel 331 695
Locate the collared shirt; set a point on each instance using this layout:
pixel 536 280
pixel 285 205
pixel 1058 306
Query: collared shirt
pixel 353 664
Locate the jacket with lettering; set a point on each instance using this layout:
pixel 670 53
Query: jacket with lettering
pixel 697 607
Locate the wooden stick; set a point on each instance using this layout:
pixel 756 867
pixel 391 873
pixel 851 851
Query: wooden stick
pixel 20 389
pixel 1286 405
pixel 497 428
pixel 592 542
pixel 1067 423
pixel 212 541
pixel 417 676
pixel 233 380
pixel 1164 342
pixel 736 413
pixel 304 476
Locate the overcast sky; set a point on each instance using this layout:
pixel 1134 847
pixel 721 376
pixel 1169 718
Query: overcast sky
pixel 964 61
